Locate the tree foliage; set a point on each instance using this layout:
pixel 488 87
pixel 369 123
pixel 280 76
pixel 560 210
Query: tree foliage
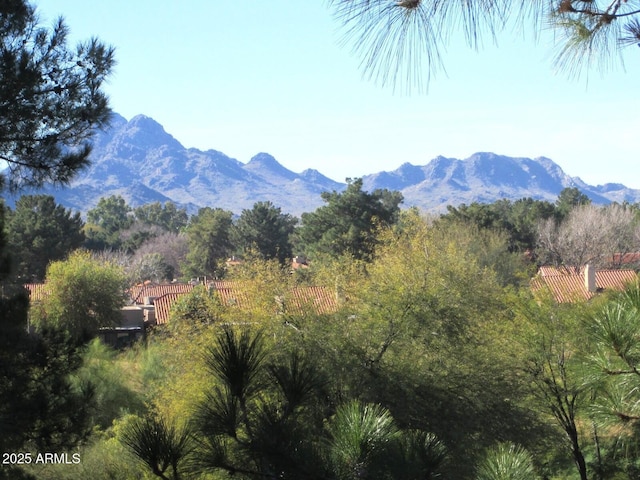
pixel 193 310
pixel 519 219
pixel 551 335
pixel 83 295
pixel 506 461
pixel 348 223
pixel 169 250
pixel 159 445
pixel 51 98
pixel 265 230
pixel 40 231
pixel 209 240
pixel 106 221
pixel 267 415
pixel 589 235
pixel 614 363
pixel 401 42
pixel 166 216
pixel 40 408
pixel 568 199
pixel 424 332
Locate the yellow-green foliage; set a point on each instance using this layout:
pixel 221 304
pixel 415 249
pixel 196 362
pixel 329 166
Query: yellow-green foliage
pixel 113 381
pixel 84 294
pixel 192 311
pixel 421 329
pixel 424 286
pixel 104 458
pixel 184 374
pixel 262 282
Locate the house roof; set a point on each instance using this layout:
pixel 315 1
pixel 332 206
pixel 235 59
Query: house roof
pixel 163 306
pixel 568 284
pixel 321 299
pixel 221 284
pixel 37 291
pixel 297 301
pixel 627 259
pixel 139 293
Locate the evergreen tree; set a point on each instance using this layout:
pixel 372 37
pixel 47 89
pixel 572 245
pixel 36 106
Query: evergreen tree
pixel 51 103
pixel 568 199
pixel 348 223
pixel 106 221
pixel 51 100
pixel 209 239
pixel 40 408
pixel 402 41
pixel 166 216
pixel 265 230
pixel 518 219
pixel 40 231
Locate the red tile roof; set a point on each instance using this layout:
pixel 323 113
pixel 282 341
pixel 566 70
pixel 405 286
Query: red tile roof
pixel 139 293
pixel 299 300
pixel 37 291
pixel 321 300
pixel 627 259
pixel 163 305
pixel 568 285
pixel 220 284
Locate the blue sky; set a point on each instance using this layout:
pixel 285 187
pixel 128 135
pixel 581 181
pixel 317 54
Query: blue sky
pixel 249 77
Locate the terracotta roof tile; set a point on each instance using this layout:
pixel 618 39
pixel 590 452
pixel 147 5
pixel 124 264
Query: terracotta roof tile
pixel 139 294
pixel 321 299
pixel 233 297
pixel 567 285
pixel 37 291
pixel 163 305
pixel 627 259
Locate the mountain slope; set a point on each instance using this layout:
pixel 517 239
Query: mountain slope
pixel 487 177
pixel 139 160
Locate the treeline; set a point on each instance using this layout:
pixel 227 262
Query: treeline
pixel 161 242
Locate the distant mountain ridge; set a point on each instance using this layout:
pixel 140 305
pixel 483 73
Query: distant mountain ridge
pixel 139 160
pixel 486 177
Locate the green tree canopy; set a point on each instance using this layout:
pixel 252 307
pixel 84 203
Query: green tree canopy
pixel 347 224
pixel 209 239
pixel 166 216
pixel 265 230
pixel 51 100
pixel 569 198
pixel 40 231
pixel 106 221
pixel 39 407
pixel 518 219
pixel 84 294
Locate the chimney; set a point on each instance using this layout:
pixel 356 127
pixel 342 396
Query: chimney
pixel 590 278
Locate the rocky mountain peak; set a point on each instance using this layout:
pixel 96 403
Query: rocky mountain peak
pixel 143 133
pixel 266 164
pixel 139 160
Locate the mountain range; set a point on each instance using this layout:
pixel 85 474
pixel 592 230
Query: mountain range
pixel 139 160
